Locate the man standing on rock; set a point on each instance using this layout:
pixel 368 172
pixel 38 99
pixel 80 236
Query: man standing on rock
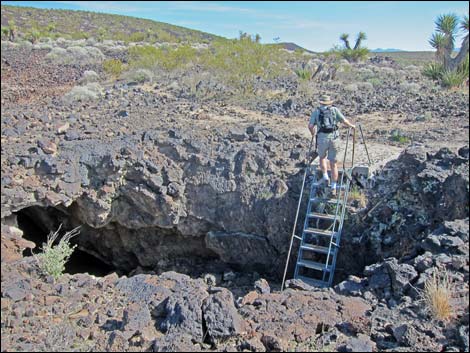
pixel 326 118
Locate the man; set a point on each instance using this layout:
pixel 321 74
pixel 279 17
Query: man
pixel 325 118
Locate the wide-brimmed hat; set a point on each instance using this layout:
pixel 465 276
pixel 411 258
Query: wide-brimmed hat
pixel 325 99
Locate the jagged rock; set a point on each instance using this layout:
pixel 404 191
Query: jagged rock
pixel 362 343
pixel 405 335
pixel 135 318
pixel 352 286
pixel 401 275
pixel 262 286
pixel 221 317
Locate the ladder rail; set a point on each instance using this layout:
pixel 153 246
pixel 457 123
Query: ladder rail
pixel 337 208
pixel 293 230
pixel 340 230
pixel 302 242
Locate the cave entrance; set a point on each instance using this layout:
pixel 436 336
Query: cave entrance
pixel 36 227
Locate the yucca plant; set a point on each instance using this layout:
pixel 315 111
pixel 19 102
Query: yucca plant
pixel 443 40
pixel 434 71
pixel 453 78
pixel 303 74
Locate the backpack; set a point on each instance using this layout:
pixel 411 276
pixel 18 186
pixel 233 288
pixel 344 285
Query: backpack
pixel 327 119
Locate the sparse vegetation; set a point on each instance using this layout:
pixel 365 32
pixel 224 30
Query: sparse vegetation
pixel 437 295
pixel 53 257
pixel 355 194
pixel 113 67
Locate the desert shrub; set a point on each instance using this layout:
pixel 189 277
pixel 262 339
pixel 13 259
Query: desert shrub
pixel 137 37
pixel 76 55
pixel 113 67
pixel 169 58
pixel 5 31
pixel 53 258
pixel 365 86
pixel 140 75
pixel 352 87
pixel 437 296
pixel 89 92
pixel 25 45
pixel 375 81
pixel 398 136
pixel 241 61
pixel 410 87
pixel 42 46
pixel 56 54
pixel 89 76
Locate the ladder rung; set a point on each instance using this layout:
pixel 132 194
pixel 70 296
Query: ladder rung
pixel 316 248
pixel 321 215
pixel 313 265
pixel 323 199
pixel 313 282
pixel 318 231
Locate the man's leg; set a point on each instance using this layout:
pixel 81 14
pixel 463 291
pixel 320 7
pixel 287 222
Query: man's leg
pixel 324 169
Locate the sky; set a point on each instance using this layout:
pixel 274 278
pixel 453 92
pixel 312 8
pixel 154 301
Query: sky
pixel 314 25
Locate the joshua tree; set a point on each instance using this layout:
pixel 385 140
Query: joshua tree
pixel 443 40
pixel 344 37
pixel 360 37
pixel 353 54
pixel 257 38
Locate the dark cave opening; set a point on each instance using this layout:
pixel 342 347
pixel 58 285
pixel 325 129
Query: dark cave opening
pixel 35 230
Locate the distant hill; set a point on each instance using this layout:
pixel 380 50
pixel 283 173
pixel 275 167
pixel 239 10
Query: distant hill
pixel 388 50
pixel 75 24
pixel 292 47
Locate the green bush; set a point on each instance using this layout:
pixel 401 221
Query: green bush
pixel 53 258
pixel 303 74
pixel 113 67
pixel 150 57
pixel 434 71
pixel 242 61
pixel 137 37
pixel 453 78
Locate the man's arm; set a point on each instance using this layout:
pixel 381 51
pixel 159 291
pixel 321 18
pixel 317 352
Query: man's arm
pixel 312 122
pixel 312 128
pixel 343 119
pixel 347 122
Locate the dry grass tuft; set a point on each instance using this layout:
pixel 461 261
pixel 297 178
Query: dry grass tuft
pixel 437 295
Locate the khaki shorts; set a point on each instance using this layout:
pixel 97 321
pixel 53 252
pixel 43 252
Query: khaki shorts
pixel 327 144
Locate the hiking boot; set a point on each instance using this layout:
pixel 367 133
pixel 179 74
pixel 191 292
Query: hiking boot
pixel 333 191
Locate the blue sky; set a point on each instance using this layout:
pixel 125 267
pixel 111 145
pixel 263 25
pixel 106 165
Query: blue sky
pixel 315 25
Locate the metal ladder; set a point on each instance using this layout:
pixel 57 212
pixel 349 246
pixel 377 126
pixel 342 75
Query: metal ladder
pixel 320 243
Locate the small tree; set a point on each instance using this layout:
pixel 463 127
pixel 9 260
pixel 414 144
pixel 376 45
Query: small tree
pixel 11 31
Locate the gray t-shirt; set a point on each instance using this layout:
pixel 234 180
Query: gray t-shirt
pixel 339 118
